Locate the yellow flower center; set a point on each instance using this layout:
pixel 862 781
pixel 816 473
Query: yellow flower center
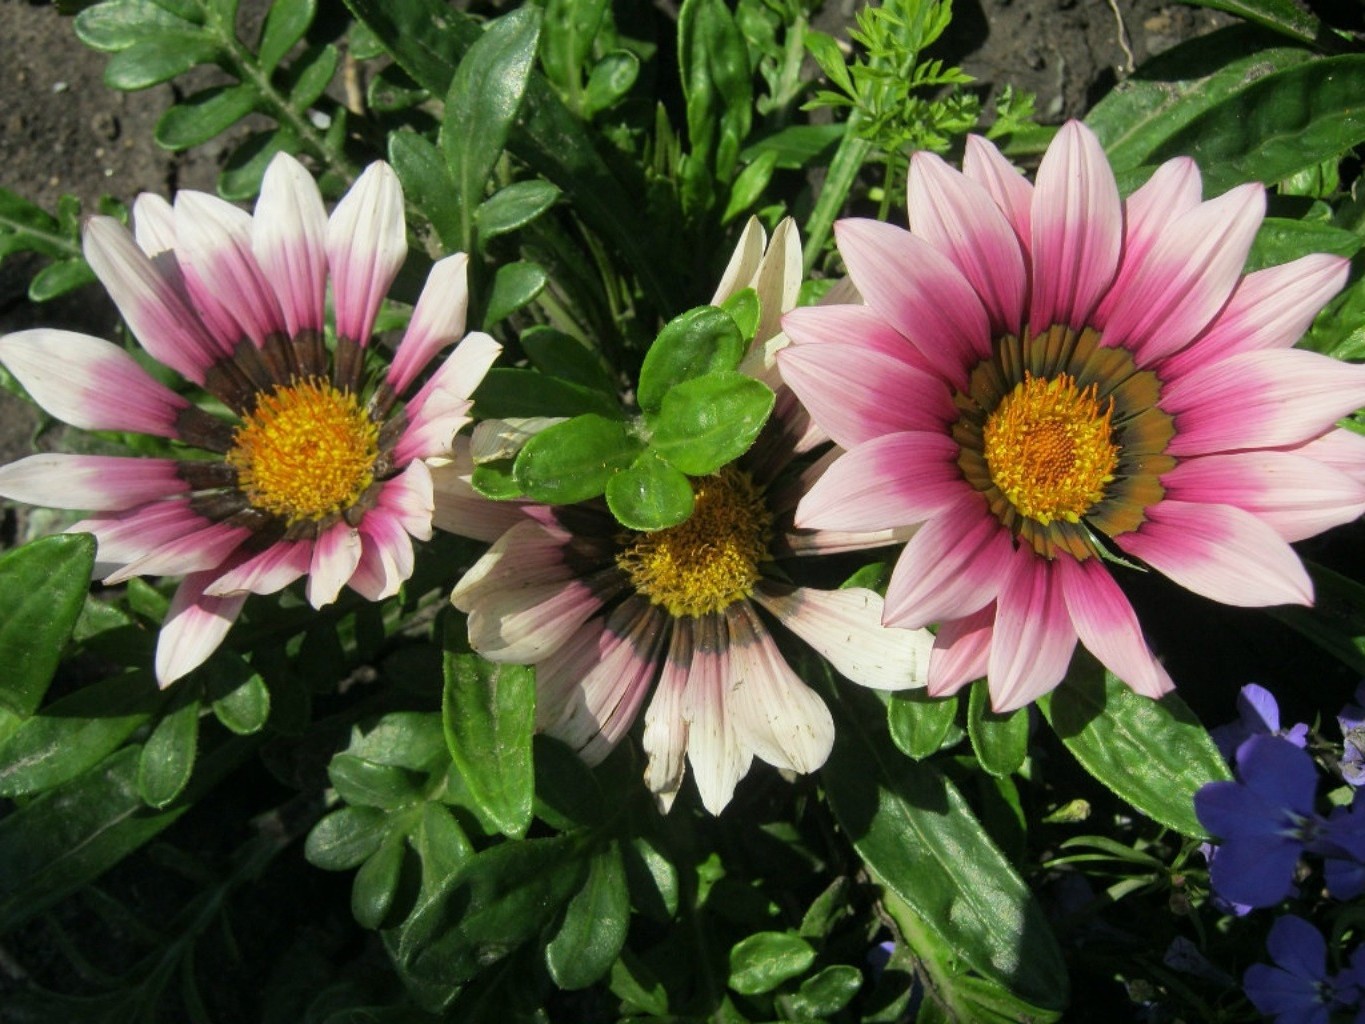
pixel 306 452
pixel 1049 448
pixel 711 560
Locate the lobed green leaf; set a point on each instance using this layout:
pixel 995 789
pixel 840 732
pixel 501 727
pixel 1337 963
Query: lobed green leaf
pixel 572 461
pixel 708 422
pixel 649 494
pixel 593 931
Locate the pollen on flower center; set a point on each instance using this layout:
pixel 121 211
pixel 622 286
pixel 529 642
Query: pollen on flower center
pixel 712 559
pixel 1050 448
pixel 306 452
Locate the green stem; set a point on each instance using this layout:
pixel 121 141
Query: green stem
pixel 843 171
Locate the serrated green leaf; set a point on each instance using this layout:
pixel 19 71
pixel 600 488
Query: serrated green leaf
pixel 58 278
pixel 649 494
pixel 921 841
pixel 376 883
pixel 1000 741
pixel 700 341
pixel 765 960
pixel 167 758
pixel 42 590
pixel 514 285
pixel 919 723
pixel 421 168
pixel 241 700
pixel 1153 754
pixel 572 461
pixel 708 422
pixel 489 716
pixel 159 58
pixel 594 927
pixel 502 897
pixel 611 78
pixel 514 207
pixel 75 733
pixel 485 95
pixel 199 118
pixel 346 838
pixel 284 26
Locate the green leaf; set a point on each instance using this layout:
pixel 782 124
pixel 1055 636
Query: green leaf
pixel 919 723
pixel 241 176
pixel 765 960
pixel 441 844
pixel 570 27
pixel 199 118
pixel 514 207
pixel 1173 89
pixel 609 81
pixel 717 81
pixel 798 145
pixel 746 310
pixel 502 897
pixel 649 494
pixel 376 883
pixel 403 739
pixel 594 928
pixel 652 878
pixel 562 356
pixel 167 758
pixel 700 341
pixel 1282 16
pixel 241 700
pixel 710 421
pixel 1000 741
pixel 284 26
pixel 489 714
pixel 42 589
pixel 1336 622
pixel 567 794
pixel 118 24
pixel 58 278
pixel 346 838
pixel 310 75
pixel 75 733
pixel 71 835
pixel 514 285
pixel 1280 241
pixel 1277 125
pixel 507 393
pixel 921 841
pixel 422 170
pixel 749 186
pixel 1153 754
pixel 485 95
pixel 827 992
pixel 156 59
pixel 572 461
pixel 363 783
pixel 634 983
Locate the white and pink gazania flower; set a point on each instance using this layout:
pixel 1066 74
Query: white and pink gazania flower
pixel 605 613
pixel 1045 375
pixel 310 474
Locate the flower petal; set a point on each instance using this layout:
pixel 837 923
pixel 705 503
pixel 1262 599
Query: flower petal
pixel 288 239
pixel 441 407
pixel 1077 230
pixel 845 627
pixel 890 481
pixel 1033 638
pixel 962 650
pixel 718 758
pixel 194 626
pixel 336 553
pixel 460 509
pixel 206 547
pixel 89 383
pixel 438 320
pixel 1010 190
pixel 107 483
pixel 1220 552
pixel 269 571
pixel 386 557
pixel 666 727
pixel 1108 626
pixel 366 244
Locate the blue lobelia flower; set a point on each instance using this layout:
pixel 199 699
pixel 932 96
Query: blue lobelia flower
pixel 1257 714
pixel 1352 722
pixel 1264 821
pixel 1296 989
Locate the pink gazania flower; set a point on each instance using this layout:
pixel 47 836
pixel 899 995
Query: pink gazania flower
pixel 605 613
pixel 311 473
pixel 1046 376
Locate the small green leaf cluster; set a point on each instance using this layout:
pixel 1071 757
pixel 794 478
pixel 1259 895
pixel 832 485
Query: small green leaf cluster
pixel 25 227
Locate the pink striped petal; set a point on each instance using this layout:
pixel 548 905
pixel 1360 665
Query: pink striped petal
pixel 845 628
pixel 1341 449
pixel 526 624
pixel 952 567
pixel 919 292
pixel 207 547
pixel 336 553
pixel 962 650
pixel 460 509
pixel 777 716
pixel 194 626
pixel 106 483
pixel 958 217
pixel 441 407
pixel 386 557
pixel 1220 552
pixel 1108 626
pixel 267 572
pixel 714 751
pixel 1009 189
pixel 666 728
pixel 527 555
pixel 213 241
pixel 366 244
pixel 852 325
pixel 1299 497
pixel 150 301
pixel 1271 308
pixel 1033 639
pixel 890 481
pixel 154 225
pixel 857 393
pixel 124 537
pixel 1187 276
pixel 437 320
pixel 288 240
pixel 1263 399
pixel 90 383
pixel 1077 230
